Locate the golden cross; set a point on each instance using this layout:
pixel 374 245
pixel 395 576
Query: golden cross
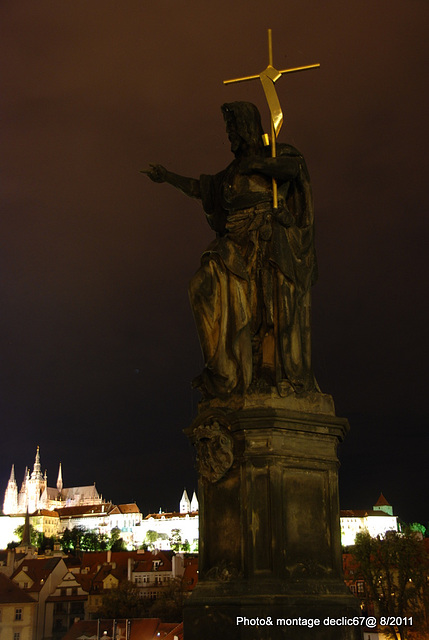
pixel 268 77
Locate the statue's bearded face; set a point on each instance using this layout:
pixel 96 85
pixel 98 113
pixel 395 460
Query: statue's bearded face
pixel 243 126
pixel 233 135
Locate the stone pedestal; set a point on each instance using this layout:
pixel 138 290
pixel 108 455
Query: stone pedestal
pixel 269 522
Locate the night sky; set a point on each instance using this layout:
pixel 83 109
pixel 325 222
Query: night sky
pixel 97 339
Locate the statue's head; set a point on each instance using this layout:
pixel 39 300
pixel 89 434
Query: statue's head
pixel 243 126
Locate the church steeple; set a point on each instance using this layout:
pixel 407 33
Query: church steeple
pixel 37 472
pixel 26 545
pixel 26 537
pixel 60 480
pixel 185 503
pixel 194 502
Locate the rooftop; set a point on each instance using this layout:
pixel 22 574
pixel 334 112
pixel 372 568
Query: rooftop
pixel 140 629
pixel 11 593
pixel 37 569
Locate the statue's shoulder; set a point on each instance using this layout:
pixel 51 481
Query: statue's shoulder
pixel 284 149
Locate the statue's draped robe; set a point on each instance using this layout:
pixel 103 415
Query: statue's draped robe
pixel 251 295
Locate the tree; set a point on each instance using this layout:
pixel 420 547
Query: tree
pixel 45 542
pixel 19 531
pixel 176 540
pixel 416 526
pixel 71 539
pixel 37 538
pixel 123 602
pixel 116 543
pixel 93 541
pixel 84 539
pixel 151 538
pixel 395 569
pixel 169 604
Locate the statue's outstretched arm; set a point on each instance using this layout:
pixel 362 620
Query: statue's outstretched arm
pixel 188 186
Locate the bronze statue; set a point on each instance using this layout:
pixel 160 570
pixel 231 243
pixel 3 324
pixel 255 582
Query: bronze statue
pixel 251 295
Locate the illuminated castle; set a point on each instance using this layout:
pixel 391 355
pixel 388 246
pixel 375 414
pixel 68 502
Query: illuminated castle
pixel 35 493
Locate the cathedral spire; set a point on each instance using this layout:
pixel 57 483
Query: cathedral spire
pixel 10 504
pixel 60 480
pixel 24 482
pixel 37 473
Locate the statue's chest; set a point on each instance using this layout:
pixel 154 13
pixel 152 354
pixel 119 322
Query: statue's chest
pixel 239 187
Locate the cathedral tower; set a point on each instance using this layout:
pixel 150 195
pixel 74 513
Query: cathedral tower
pixel 60 481
pixel 36 484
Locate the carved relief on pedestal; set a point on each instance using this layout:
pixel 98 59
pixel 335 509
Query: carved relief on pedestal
pixel 214 445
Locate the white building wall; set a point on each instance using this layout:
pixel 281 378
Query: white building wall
pixel 374 525
pixel 379 525
pixel 187 526
pixel 8 525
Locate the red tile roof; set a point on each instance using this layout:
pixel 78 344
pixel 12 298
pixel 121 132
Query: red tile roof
pixel 190 575
pixel 85 581
pixel 362 513
pixel 46 512
pixel 169 515
pixel 140 629
pixel 176 632
pixel 72 562
pixel 146 563
pixel 38 569
pixel 11 593
pixel 128 508
pixel 92 561
pixel 87 510
pixel 382 502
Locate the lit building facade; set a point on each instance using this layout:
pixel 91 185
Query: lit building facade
pixel 376 521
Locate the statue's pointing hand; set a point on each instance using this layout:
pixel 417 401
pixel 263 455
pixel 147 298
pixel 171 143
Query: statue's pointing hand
pixel 156 172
